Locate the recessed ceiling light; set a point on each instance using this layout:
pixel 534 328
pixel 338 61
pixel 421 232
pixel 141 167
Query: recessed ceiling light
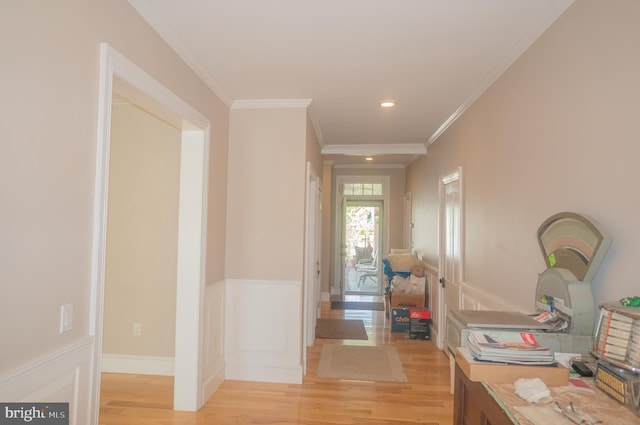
pixel 388 103
pixel 369 158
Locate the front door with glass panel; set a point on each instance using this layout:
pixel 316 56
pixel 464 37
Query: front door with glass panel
pixel 362 234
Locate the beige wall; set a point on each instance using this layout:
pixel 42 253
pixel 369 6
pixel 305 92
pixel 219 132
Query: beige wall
pixel 266 195
pixel 47 159
pixel 142 234
pixel 557 132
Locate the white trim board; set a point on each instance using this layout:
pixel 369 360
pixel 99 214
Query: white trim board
pixel 376 149
pixel 188 393
pixel 139 365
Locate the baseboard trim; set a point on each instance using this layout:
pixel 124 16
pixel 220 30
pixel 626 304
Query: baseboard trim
pixel 214 382
pixel 264 374
pixel 139 365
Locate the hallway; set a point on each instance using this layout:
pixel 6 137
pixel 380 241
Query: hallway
pixel 425 399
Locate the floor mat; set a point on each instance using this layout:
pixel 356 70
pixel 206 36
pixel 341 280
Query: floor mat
pixel 340 329
pixel 361 363
pixel 357 305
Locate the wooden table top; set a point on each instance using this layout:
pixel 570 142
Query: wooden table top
pixel 590 400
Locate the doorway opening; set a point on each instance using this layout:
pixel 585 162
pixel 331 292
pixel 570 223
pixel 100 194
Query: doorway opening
pixel 361 236
pixel 363 231
pixel 141 253
pixel 140 88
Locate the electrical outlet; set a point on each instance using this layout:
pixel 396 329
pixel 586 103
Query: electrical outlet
pixel 137 329
pixel 66 317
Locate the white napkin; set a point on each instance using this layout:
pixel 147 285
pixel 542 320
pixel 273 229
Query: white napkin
pixel 533 390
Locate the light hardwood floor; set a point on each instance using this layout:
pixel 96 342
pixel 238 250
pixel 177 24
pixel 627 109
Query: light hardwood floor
pixel 425 399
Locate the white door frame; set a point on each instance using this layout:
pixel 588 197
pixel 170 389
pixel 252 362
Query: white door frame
pixel 379 247
pixel 408 222
pixel 443 236
pixel 336 287
pixel 192 223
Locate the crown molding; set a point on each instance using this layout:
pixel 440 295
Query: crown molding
pixel 271 103
pixel 377 149
pixel 370 166
pixel 315 122
pixel 168 34
pixel 518 49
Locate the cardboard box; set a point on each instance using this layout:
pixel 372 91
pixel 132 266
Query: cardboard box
pixel 420 313
pixel 403 262
pixel 400 320
pixel 420 323
pixel 402 300
pixel 507 373
pixel 415 322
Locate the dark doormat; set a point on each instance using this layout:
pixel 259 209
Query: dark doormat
pixel 356 305
pixel 340 329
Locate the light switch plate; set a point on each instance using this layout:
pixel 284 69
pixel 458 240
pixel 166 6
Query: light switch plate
pixel 66 317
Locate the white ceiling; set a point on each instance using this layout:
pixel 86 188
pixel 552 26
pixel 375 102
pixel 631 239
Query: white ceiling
pixel 433 57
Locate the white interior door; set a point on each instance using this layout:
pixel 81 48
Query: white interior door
pixel 451 238
pixel 312 262
pixel 318 252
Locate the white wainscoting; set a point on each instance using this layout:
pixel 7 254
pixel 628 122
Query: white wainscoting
pixel 433 288
pixel 473 299
pixel 263 332
pixel 61 376
pixel 213 342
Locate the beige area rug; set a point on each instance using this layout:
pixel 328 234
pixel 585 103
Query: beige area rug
pixel 340 329
pixel 361 363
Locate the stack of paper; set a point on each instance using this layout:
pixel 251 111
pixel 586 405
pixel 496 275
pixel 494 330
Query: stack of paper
pixel 555 320
pixel 511 347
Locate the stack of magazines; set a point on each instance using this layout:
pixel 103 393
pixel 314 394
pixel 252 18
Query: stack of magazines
pixel 511 347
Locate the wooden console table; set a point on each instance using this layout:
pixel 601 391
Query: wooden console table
pixel 473 403
pixel 480 403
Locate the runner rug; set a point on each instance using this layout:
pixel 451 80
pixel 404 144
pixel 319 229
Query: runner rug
pixel 340 329
pixel 361 363
pixel 356 305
